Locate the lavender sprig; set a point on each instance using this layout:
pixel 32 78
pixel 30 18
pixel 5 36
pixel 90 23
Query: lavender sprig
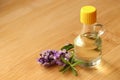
pixel 52 57
pixel 64 57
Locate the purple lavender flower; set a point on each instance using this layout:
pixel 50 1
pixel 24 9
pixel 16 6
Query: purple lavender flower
pixel 52 57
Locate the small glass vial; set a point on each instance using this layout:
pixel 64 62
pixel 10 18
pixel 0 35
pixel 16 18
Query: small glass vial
pixel 88 43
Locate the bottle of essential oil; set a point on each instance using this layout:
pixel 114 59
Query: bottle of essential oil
pixel 88 43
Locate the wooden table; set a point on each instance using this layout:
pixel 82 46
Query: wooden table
pixel 28 27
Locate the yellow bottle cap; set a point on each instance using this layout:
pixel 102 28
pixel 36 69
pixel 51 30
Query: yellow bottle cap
pixel 88 15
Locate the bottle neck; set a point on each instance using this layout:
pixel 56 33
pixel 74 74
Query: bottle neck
pixel 87 28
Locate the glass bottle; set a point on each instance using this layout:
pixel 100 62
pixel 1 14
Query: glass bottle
pixel 88 43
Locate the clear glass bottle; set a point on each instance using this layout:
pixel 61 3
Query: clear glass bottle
pixel 88 43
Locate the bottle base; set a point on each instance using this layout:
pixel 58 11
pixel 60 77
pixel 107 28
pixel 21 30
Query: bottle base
pixel 92 63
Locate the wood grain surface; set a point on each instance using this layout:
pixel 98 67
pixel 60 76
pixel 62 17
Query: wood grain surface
pixel 28 27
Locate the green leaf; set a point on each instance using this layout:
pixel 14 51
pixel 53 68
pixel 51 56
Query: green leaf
pixel 65 68
pixel 69 63
pixel 74 71
pixel 66 62
pixel 76 63
pixel 71 59
pixel 67 47
pixel 63 60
